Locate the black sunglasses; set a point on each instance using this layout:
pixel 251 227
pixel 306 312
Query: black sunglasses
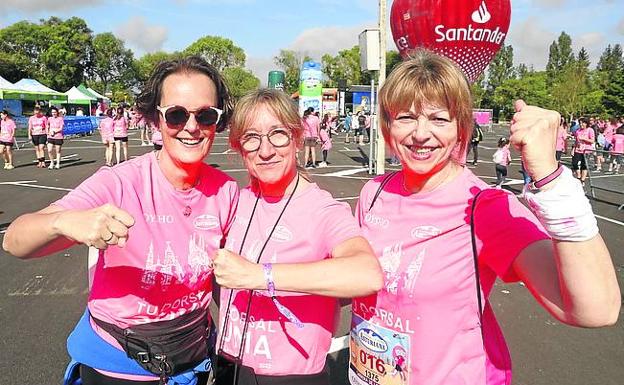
pixel 178 115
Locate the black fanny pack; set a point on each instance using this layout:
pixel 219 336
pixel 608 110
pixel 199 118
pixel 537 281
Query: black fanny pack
pixel 165 348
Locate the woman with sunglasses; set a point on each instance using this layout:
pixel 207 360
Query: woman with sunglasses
pixel 157 220
pixel 286 258
pixel 443 237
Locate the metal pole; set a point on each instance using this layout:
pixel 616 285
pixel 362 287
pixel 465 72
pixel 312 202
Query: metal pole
pixel 380 153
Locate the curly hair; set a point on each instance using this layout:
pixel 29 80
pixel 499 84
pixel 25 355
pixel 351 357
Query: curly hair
pixel 150 97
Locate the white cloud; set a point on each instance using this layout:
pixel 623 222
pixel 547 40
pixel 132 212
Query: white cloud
pixel 260 67
pixel 550 3
pixel 29 6
pixel 321 40
pixel 620 26
pixel 138 34
pixel 530 41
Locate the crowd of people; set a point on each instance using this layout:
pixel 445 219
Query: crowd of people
pixel 419 258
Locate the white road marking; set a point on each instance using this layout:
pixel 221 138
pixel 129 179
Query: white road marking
pixel 345 172
pixel 338 344
pixel 22 183
pixel 609 220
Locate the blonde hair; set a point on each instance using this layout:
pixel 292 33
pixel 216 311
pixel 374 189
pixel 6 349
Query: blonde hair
pixel 427 78
pixel 276 101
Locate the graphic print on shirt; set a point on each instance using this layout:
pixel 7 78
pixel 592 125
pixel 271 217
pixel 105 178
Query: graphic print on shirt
pixel 163 269
pixel 390 262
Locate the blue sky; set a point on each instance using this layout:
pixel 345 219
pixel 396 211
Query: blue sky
pixel 263 27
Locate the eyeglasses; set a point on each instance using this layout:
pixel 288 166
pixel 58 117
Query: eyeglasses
pixel 177 115
pixel 278 137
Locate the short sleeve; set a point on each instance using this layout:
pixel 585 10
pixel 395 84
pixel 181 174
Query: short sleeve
pixel 503 228
pixel 338 224
pixel 102 187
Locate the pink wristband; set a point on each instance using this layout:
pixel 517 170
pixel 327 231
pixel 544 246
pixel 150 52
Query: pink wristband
pixel 548 178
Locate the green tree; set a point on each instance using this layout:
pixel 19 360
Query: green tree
pixel 21 44
pixel 67 53
pixel 240 81
pixel 530 88
pixel 500 69
pixel 560 55
pixel 111 61
pixel 218 51
pixel 144 65
pixel 290 62
pixel 613 98
pixel 344 66
pixel 393 58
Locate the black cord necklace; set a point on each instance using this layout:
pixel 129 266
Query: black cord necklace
pixel 239 358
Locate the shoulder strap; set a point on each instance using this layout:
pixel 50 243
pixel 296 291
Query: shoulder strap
pixel 383 183
pixel 475 256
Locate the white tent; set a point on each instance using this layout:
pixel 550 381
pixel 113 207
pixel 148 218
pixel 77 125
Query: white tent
pixel 75 96
pixel 6 85
pixel 100 96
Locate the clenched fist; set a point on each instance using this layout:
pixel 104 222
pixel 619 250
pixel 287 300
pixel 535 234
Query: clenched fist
pixel 235 272
pixel 99 227
pixel 533 134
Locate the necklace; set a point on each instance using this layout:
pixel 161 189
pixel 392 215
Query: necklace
pixel 187 193
pixel 239 357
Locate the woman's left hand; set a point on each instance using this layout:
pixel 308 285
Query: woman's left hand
pixel 534 134
pixel 235 272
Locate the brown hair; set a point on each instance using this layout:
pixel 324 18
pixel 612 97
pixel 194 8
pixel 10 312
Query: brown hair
pixel 152 93
pixel 426 77
pixel 277 102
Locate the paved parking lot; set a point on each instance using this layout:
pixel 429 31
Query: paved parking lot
pixel 40 300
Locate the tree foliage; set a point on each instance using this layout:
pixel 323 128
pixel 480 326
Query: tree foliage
pixel 290 62
pixel 112 62
pixel 240 81
pixel 56 52
pixel 218 51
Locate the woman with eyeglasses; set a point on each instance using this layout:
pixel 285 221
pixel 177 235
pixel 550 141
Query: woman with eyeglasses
pixel 443 237
pixel 157 220
pixel 291 252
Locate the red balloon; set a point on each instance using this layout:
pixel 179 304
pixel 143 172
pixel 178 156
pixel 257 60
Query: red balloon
pixel 469 32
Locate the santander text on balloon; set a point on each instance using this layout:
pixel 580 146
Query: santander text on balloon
pixel 469 34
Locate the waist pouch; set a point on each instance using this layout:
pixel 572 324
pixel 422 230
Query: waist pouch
pixel 165 348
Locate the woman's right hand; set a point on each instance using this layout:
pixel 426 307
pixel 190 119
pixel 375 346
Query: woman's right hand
pixel 99 227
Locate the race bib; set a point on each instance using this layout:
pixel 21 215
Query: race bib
pixel 379 356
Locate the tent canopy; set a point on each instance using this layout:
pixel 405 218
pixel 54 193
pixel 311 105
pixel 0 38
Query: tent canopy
pixel 75 96
pixel 86 91
pixel 30 89
pixel 98 95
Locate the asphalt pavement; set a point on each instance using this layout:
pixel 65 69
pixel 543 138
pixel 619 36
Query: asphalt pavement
pixel 41 300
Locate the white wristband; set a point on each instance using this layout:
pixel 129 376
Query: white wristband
pixel 564 210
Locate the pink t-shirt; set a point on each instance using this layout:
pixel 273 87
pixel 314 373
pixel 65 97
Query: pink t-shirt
pixel 587 134
pixel 7 130
pixel 312 225
pixel 37 125
pixel 165 270
pixel 425 318
pixel 311 126
pixel 610 131
pixel 120 128
pixel 56 126
pixel 618 144
pixel 106 128
pixel 562 135
pixel 157 137
pixel 502 156
pixel 326 140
